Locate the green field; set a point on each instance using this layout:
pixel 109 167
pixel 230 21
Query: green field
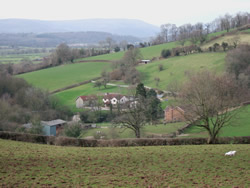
pixel 69 96
pixel 239 126
pixel 176 68
pixel 65 75
pixel 246 31
pixel 33 165
pixel 111 132
pixel 16 58
pixel 244 38
pixel 147 52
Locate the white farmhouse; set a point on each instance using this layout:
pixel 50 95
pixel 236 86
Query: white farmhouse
pixel 114 99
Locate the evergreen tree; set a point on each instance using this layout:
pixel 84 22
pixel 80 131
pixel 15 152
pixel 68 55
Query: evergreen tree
pixel 141 90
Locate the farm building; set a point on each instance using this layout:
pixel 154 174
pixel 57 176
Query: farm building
pixel 173 114
pixel 145 61
pixel 114 99
pixel 52 128
pixel 86 101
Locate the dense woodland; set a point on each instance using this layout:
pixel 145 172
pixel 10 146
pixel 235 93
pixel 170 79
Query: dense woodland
pixel 21 103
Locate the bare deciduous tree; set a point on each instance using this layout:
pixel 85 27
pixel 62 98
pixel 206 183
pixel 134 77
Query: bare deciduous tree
pixel 210 101
pixel 133 117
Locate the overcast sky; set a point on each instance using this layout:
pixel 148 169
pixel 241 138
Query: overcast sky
pixel 156 12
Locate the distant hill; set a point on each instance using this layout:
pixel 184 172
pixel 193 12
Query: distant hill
pixel 54 39
pixel 131 27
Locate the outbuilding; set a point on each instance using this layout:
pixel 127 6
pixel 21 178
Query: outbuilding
pixel 52 128
pixel 145 61
pixel 174 114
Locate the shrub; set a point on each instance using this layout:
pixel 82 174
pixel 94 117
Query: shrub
pixel 100 135
pixel 224 45
pixel 64 141
pixel 73 130
pixel 175 51
pixel 216 47
pixel 160 67
pixel 165 53
pixel 36 128
pixel 117 49
pixel 199 49
pixel 113 133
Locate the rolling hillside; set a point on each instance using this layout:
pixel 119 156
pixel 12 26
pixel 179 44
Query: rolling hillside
pixel 147 52
pixel 176 68
pixel 243 38
pixel 239 126
pixel 61 76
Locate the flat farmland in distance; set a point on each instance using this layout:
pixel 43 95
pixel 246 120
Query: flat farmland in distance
pixel 16 58
pixel 61 76
pixel 34 165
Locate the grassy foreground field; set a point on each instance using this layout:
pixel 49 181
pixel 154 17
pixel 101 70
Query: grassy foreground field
pixel 176 68
pixel 65 75
pixel 34 165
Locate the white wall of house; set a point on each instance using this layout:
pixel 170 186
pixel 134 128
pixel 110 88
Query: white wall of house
pixel 114 101
pixel 123 100
pixel 79 102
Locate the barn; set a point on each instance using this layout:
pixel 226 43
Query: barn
pixel 52 128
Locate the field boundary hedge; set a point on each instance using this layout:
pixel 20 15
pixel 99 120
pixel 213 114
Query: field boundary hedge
pixel 75 85
pixel 66 141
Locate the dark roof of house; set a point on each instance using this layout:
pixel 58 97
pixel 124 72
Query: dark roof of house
pixel 175 107
pixel 111 96
pixel 87 98
pixel 53 122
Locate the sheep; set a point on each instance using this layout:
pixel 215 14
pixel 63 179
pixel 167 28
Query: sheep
pixel 230 153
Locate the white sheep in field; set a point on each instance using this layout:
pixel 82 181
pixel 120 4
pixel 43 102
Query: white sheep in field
pixel 230 153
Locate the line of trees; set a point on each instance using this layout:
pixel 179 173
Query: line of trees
pixel 124 69
pixel 198 32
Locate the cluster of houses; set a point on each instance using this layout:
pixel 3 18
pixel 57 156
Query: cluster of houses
pixel 54 127
pixel 107 100
pixel 171 114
